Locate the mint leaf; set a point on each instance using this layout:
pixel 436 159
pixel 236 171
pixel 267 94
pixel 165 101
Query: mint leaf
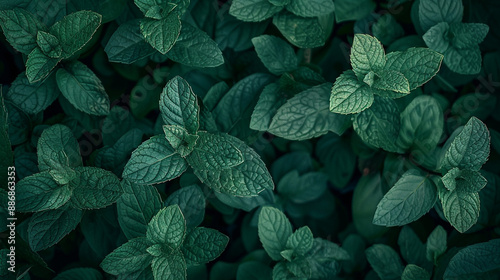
pixel 83 89
pixel 463 61
pixel 161 34
pixel 418 65
pixel 20 28
pixel 349 96
pixel 413 272
pixel 57 147
pixel 270 100
pixel 246 179
pixel 128 258
pixel 346 10
pixel 214 152
pixel 468 35
pixel 301 241
pixel 469 149
pixel 203 245
pixel 367 54
pixel 466 180
pixel 432 12
pixel 167 227
pixel 385 261
pixel 436 244
pixel 40 192
pixel 195 48
pixel 387 29
pixel 127 45
pixel 39 65
pixel 276 54
pixel 422 124
pixel 300 267
pixel 484 265
pixel 302 189
pixel 461 208
pixel 379 125
pixel 180 139
pixel 179 106
pixel 280 271
pixel 49 44
pixel 324 258
pixel 274 231
pixel 307 115
pixel 310 8
pixel 437 37
pixel 75 30
pixel 94 188
pixel 253 10
pixel 304 32
pixel 48 227
pixel 412 249
pixel 172 267
pixel 392 81
pixel 411 197
pixel 33 98
pixel 191 201
pixel 153 162
pixel 136 207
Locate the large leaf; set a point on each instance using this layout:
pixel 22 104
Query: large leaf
pixel 432 12
pixel 214 152
pixel 276 54
pixel 94 188
pixel 484 263
pixel 57 147
pixel 20 28
pixel 167 227
pixel 33 98
pixel 131 256
pixel 203 245
pixel 40 192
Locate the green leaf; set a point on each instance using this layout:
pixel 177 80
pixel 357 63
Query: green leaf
pixel 270 101
pixel 203 245
pixel 367 54
pixel 432 12
pixel 393 81
pixel 301 241
pixel 469 149
pixel 276 54
pixel 153 162
pixel 49 44
pixel 307 115
pixel 129 257
pixel 280 271
pixel 310 8
pixel 46 228
pixel 379 125
pixel 302 189
pixel 179 106
pixel 75 30
pixel 304 32
pixel 83 89
pixel 20 28
pixel 171 267
pixel 274 231
pixel 413 272
pixel 387 29
pixel 39 66
pixel 57 147
pixel 478 261
pixel 349 96
pixel 246 179
pixel 412 249
pixel 127 45
pixel 346 10
pixel 33 98
pixel 195 48
pixel 463 61
pixel 191 201
pixel 214 152
pixel 94 188
pixel 180 139
pixel 461 208
pixel 422 124
pixel 136 207
pixel 40 192
pixel 385 261
pixel 167 227
pixel 255 270
pixel 466 180
pixel 161 34
pixel 80 273
pixel 437 37
pixel 410 198
pixel 253 10
pixel 337 157
pixel 468 35
pixel 436 244
pixel 300 267
pixel 418 65
pixel 324 259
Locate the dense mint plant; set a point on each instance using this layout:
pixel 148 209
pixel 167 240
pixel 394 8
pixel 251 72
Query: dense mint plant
pixel 446 33
pixel 221 161
pixel 167 249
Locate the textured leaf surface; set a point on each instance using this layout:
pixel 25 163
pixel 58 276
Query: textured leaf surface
pixel 301 241
pixel 130 257
pixel 463 61
pixel 460 208
pixel 274 230
pixel 153 162
pixel 40 192
pixel 304 32
pixel 410 198
pixel 83 89
pixel 484 264
pixel 171 267
pixel 191 201
pixel 167 227
pixel 393 81
pixel 310 8
pixel 161 34
pixel 203 245
pixel 276 54
pixel 413 272
pixel 20 28
pixel 179 106
pixel 467 35
pixel 307 115
pixel 57 147
pixel 349 96
pixel 94 188
pixel 385 261
pixel 214 152
pixel 49 44
pixel 367 54
pixel 33 98
pixel 436 244
pixel 432 12
pixel 39 66
pixel 253 10
pixel 270 101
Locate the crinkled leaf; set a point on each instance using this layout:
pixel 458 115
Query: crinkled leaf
pixel 310 8
pixel 179 106
pixel 367 54
pixel 39 65
pixel 171 267
pixel 463 61
pixel 40 192
pixel 460 208
pixel 57 147
pixel 130 257
pixel 49 44
pixel 301 241
pixel 393 81
pixel 203 245
pixel 161 34
pixel 274 230
pixel 94 188
pixel 20 28
pixel 349 96
pixel 191 201
pixel 467 35
pixel 432 12
pixel 214 152
pixel 414 272
pixel 167 227
pixel 253 10
pixel 304 32
pixel 276 54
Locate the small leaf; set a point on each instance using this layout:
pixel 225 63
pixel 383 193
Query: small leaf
pixel 20 28
pixel 57 147
pixel 385 261
pixel 301 241
pixel 214 152
pixel 161 34
pixel 253 10
pixel 49 44
pixel 432 12
pixel 130 257
pixel 167 227
pixel 203 245
pixel 40 192
pixel 171 267
pixel 191 201
pixel 367 54
pixel 310 8
pixel 274 231
pixel 393 81
pixel 436 244
pixel 39 66
pixel 413 272
pixel 276 54
pixel 460 208
pixel 304 32
pixel 349 96
pixel 180 139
